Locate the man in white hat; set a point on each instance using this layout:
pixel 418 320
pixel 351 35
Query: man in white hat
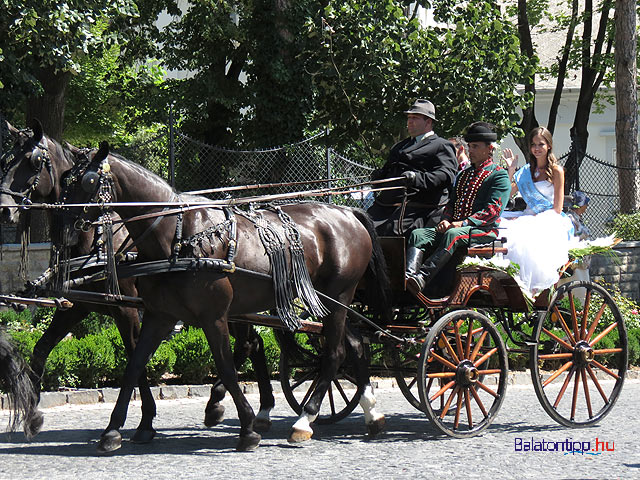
pixel 428 164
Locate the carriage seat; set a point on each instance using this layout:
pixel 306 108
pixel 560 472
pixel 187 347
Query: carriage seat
pixel 488 250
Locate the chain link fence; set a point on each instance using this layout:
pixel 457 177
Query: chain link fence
pixel 600 181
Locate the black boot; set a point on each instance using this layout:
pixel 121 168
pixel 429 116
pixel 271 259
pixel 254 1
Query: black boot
pixel 414 260
pixel 417 282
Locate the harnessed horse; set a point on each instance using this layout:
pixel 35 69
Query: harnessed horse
pixel 340 247
pixel 33 170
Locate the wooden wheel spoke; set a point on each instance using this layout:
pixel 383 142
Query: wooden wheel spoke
pixel 441 375
pixel 551 356
pixel 574 316
pixel 585 314
pixel 445 409
pixel 486 389
pixel 456 423
pixel 467 348
pixel 476 397
pixel 442 390
pixel 309 392
pixel 558 339
pixel 331 401
pixel 557 373
pixel 476 349
pixel 349 378
pixel 341 391
pixel 603 334
pixel 485 357
pixel 563 389
pixel 574 400
pixel 448 347
pixel 597 384
pixel 604 351
pixel 605 369
pixel 595 322
pixel 304 378
pixel 456 331
pixel 564 325
pixel 467 402
pixel 413 382
pixel 492 371
pixel 443 360
pixel 587 397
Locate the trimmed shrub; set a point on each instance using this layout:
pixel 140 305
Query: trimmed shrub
pixel 60 368
pixel 93 324
pixel 625 226
pixel 194 361
pixel 162 362
pixel 120 358
pixel 95 360
pixel 25 341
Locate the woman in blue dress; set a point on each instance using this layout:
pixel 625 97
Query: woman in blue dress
pixel 538 238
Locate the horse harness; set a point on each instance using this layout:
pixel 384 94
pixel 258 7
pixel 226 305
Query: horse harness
pixel 40 158
pixel 289 281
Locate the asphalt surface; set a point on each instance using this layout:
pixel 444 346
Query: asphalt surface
pixel 409 448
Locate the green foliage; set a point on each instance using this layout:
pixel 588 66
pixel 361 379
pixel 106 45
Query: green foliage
pixel 372 61
pixel 93 324
pixel 625 226
pixel 94 360
pixel 162 362
pixel 16 320
pixel 193 356
pixel 25 341
pixel 120 356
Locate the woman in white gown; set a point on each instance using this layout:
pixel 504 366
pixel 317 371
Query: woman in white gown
pixel 538 238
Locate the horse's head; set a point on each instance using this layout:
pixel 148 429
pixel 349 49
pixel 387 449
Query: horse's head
pixel 26 171
pixel 88 182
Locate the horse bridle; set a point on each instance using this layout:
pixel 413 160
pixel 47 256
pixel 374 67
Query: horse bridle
pixel 40 158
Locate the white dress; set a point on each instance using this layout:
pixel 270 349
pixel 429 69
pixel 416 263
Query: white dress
pixel 538 243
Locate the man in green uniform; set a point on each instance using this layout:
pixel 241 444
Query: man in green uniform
pixel 471 216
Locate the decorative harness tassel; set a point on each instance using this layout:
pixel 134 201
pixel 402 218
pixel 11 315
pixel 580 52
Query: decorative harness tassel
pixel 274 246
pixel 301 278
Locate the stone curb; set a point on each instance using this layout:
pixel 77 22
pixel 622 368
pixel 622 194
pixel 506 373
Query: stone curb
pixel 174 392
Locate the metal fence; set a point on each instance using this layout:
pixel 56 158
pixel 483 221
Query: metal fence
pixel 598 179
pixel 191 165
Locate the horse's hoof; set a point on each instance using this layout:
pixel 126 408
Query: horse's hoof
pixel 143 436
pixel 249 442
pixel 110 441
pixel 297 435
pixel 33 425
pixel 214 416
pixel 375 427
pixel 261 424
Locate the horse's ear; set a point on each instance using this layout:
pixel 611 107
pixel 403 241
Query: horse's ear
pixel 36 126
pixel 103 151
pixel 15 133
pixel 72 148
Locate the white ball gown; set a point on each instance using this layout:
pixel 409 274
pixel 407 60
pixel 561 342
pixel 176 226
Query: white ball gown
pixel 538 243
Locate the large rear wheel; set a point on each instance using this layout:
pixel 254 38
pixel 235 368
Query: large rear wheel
pixel 580 359
pixel 463 373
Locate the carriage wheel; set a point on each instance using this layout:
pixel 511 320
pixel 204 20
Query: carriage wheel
pixel 300 360
pixel 463 373
pixel 403 361
pixel 580 359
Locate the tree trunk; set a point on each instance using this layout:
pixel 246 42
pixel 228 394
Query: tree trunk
pixel 529 121
pixel 49 107
pixel 626 104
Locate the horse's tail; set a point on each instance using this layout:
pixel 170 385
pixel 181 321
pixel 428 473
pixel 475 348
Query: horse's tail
pixel 377 277
pixel 15 380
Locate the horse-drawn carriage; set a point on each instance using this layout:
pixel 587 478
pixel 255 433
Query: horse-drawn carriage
pixel 210 262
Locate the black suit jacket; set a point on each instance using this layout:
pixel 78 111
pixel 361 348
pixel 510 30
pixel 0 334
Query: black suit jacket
pixel 434 162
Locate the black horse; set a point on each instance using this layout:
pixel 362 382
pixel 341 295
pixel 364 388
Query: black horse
pixel 33 170
pixel 340 247
pixel 16 382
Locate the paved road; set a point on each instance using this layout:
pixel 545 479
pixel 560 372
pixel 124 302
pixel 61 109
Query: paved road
pixel 410 447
